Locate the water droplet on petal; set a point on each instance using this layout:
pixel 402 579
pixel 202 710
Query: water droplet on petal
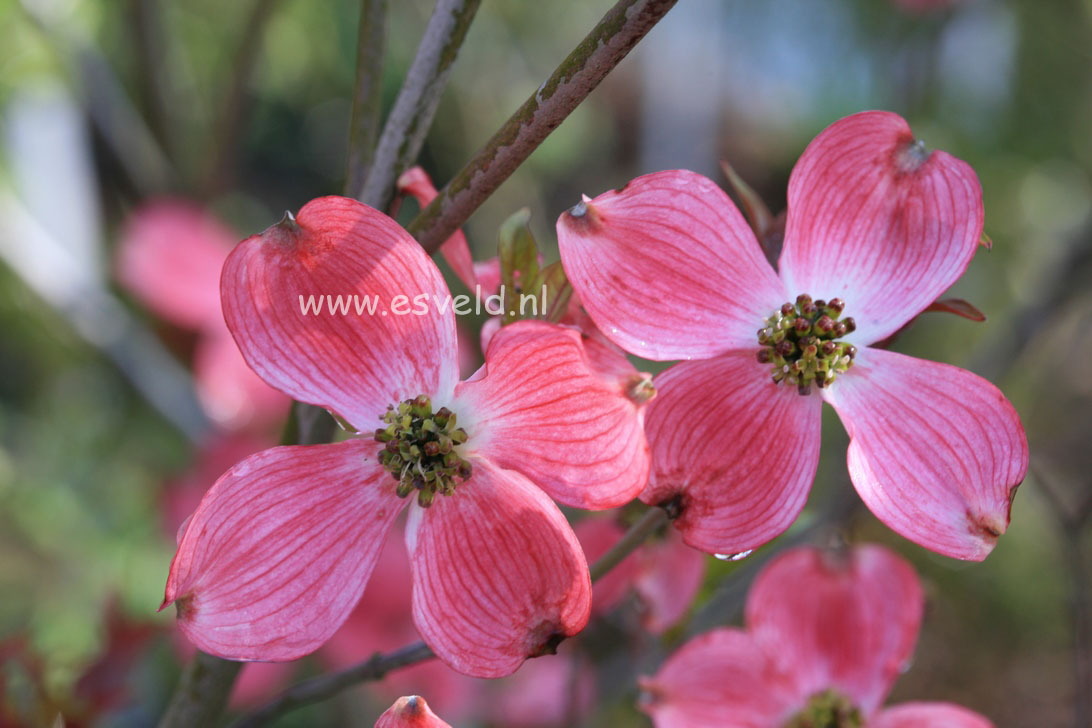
pixel 734 557
pixel 642 343
pixel 613 330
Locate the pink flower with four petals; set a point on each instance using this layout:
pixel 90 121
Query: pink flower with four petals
pixel 826 636
pixel 877 229
pixel 280 549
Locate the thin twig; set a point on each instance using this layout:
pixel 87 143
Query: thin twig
pixel 202 692
pixel 320 688
pixel 413 111
pixel 371 45
pixel 156 82
pixel 222 157
pixel 608 43
pixel 650 522
pixel 1073 519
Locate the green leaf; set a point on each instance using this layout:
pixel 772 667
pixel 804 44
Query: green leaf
pixel 518 256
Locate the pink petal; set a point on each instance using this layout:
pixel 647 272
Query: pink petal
pixel 671 573
pixel 722 678
pixel 929 715
pixel 169 257
pixel 415 181
pixel 848 625
pixel 498 574
pixel 540 409
pixel 597 534
pixel 878 222
pixel 410 712
pixel 668 268
pixel 231 393
pixel 279 550
pixel 935 451
pixel 355 363
pixel 738 450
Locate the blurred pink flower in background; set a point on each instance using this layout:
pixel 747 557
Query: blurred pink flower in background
pixel 877 227
pixel 827 634
pixel 169 257
pixel 280 549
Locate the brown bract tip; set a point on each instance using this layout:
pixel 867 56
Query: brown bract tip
pixel 583 215
pixel 284 232
pixel 910 155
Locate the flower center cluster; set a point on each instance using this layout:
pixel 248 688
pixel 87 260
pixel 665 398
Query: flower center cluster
pixel 828 709
pixel 800 341
pixel 421 449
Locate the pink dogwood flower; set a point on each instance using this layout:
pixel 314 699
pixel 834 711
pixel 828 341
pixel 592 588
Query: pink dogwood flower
pixel 878 227
pixel 826 636
pixel 169 257
pixel 410 712
pixel 280 549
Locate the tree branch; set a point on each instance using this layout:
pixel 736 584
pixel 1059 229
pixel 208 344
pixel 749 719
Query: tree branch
pixel 371 46
pixel 325 686
pixel 413 111
pixel 653 519
pixel 607 44
pixel 202 693
pixel 233 103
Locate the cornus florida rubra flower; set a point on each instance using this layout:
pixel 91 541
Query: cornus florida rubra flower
pixel 877 228
pixel 410 712
pixel 826 636
pixel 280 549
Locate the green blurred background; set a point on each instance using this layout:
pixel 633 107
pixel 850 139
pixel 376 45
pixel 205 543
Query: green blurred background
pixel 104 105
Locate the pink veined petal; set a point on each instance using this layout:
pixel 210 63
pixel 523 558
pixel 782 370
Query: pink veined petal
pixel 929 715
pixel 416 182
pixel 169 257
pixel 231 394
pixel 410 712
pixel 596 535
pixel 935 451
pixel 279 551
pixel 350 361
pixel 879 222
pixel 668 268
pixel 738 450
pixel 722 678
pixel 847 625
pixel 540 409
pixel 671 573
pixel 498 575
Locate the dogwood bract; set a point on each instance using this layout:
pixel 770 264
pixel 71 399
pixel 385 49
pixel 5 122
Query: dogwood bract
pixel 280 549
pixel 878 227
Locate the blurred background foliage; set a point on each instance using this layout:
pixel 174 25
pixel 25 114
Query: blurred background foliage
pixel 243 107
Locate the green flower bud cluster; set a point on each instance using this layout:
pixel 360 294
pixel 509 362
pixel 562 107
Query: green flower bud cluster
pixel 800 341
pixel 828 709
pixel 421 449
